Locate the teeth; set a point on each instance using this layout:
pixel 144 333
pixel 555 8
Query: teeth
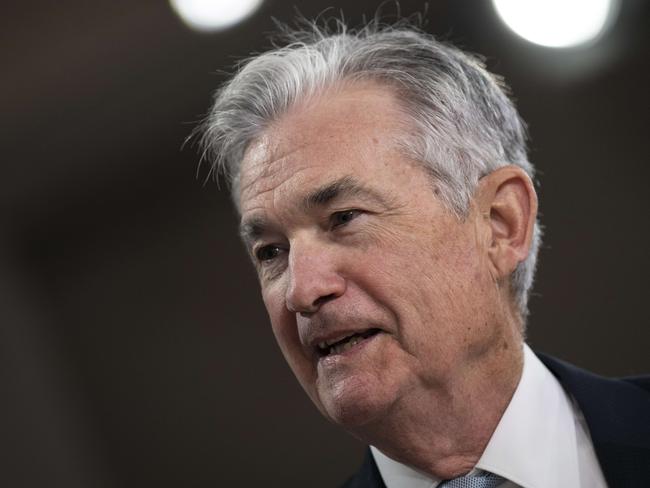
pixel 338 346
pixel 341 348
pixel 326 344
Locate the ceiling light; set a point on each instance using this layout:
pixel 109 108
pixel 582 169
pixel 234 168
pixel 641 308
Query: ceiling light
pixel 214 15
pixel 557 23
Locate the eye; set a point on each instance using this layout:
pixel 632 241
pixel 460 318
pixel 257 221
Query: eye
pixel 267 253
pixel 339 219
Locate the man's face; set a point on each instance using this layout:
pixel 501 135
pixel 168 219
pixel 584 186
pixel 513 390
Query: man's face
pixel 377 294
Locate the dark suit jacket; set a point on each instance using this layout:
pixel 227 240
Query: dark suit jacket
pixel 617 412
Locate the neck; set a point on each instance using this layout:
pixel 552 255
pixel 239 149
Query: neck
pixel 445 432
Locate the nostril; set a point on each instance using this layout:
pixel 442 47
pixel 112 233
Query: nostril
pixel 322 300
pixel 319 302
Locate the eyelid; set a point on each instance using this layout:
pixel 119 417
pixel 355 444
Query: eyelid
pixel 355 211
pixel 257 247
pixel 260 248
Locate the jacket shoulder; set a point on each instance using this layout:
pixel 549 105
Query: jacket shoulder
pixel 640 381
pixel 368 475
pixel 617 413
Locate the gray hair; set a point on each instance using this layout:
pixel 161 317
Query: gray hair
pixel 465 124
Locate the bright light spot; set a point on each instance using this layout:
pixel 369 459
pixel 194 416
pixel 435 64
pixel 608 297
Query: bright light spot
pixel 557 23
pixel 214 15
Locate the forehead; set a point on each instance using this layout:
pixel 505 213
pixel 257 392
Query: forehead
pixel 350 132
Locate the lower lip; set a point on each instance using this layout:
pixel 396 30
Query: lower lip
pixel 332 359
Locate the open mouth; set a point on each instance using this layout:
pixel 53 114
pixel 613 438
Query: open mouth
pixel 342 345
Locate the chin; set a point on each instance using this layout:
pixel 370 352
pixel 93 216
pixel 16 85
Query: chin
pixel 354 404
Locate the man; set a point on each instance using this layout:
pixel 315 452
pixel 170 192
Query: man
pixel 387 202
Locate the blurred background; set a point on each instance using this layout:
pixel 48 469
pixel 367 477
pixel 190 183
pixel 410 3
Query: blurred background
pixel 134 347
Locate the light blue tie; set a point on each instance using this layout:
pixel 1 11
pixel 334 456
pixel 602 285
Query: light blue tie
pixel 483 480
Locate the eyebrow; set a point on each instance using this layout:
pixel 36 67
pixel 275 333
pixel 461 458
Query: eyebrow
pixel 344 187
pixel 251 230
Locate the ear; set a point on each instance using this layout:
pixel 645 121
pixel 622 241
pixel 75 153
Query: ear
pixel 508 203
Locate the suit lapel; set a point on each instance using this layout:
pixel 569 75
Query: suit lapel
pixel 368 476
pixel 617 413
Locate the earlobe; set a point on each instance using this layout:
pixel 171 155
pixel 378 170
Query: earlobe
pixel 508 201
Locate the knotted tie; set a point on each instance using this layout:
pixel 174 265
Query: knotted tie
pixel 483 480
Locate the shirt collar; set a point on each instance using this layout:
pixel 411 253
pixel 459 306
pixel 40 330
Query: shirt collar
pixel 534 444
pixel 398 475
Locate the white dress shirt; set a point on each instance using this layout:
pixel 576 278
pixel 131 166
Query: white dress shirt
pixel 542 441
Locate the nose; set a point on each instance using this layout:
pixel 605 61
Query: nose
pixel 313 279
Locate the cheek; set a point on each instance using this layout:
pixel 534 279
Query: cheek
pixel 431 285
pixel 286 334
pixel 282 322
